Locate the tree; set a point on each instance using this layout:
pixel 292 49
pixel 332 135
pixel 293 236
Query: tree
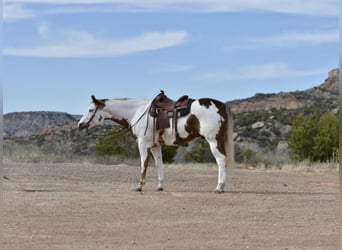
pixel 314 139
pixel 301 142
pixel 326 141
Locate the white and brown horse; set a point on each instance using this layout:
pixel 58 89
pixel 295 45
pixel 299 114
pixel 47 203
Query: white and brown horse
pixel 208 118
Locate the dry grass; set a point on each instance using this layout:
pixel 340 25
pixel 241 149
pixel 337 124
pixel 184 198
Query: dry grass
pixel 297 166
pixel 14 153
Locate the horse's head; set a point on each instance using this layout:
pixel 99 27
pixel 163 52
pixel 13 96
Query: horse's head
pixel 94 115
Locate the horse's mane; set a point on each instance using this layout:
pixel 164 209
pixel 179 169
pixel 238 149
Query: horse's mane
pixel 130 99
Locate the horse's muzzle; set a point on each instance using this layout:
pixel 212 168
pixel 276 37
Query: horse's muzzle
pixel 82 126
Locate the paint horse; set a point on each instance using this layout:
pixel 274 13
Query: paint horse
pixel 207 118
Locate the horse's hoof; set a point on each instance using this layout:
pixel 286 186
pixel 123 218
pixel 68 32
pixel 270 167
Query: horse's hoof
pixel 138 189
pixel 160 189
pixel 219 191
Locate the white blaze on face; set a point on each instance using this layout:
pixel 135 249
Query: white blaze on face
pixel 88 115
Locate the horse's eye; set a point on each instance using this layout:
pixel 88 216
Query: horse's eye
pixel 91 110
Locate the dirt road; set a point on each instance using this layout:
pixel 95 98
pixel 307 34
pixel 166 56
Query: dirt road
pixel 85 206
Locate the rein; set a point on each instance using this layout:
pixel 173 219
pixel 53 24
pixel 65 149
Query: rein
pixel 134 124
pixel 119 130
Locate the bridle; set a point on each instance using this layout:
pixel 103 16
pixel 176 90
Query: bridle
pixel 90 120
pixel 92 117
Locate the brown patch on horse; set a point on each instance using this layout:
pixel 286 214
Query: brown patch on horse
pixel 220 137
pixel 123 122
pixel 221 110
pixel 143 174
pixel 205 102
pixel 192 126
pixel 99 103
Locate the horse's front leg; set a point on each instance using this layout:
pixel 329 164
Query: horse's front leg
pixel 144 157
pixel 157 155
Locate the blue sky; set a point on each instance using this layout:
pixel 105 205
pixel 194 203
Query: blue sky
pixel 57 53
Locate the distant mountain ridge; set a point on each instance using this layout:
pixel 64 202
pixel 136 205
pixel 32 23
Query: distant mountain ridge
pixel 290 100
pixel 23 124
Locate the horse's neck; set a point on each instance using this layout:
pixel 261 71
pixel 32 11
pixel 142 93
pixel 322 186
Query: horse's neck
pixel 126 109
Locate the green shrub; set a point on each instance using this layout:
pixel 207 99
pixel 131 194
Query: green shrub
pixel 168 153
pixel 117 143
pixel 314 139
pixel 200 152
pixel 304 129
pixel 195 154
pixel 326 142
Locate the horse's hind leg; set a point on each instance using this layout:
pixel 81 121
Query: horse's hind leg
pixel 221 163
pixel 157 155
pixel 144 156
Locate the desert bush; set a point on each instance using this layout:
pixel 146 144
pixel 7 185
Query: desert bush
pixel 249 157
pixel 200 152
pixel 117 143
pixel 314 139
pixel 169 153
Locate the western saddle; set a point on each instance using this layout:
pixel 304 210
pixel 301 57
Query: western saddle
pixel 164 108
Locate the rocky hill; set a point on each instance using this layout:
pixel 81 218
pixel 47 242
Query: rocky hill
pixel 326 93
pixel 331 83
pixel 262 124
pixel 22 124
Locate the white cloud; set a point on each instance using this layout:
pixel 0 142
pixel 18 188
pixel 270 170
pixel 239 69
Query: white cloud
pixel 16 12
pixel 14 9
pixel 85 44
pixel 299 38
pixel 285 39
pixel 258 72
pixel 307 7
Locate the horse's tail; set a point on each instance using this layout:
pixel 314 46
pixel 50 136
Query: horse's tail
pixel 229 141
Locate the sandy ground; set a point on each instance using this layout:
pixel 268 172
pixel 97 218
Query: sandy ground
pixel 85 206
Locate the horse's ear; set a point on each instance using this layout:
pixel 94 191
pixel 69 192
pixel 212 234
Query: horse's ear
pixel 99 103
